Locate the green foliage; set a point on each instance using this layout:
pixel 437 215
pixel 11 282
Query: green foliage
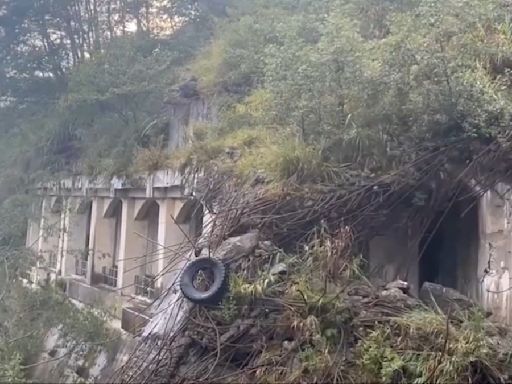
pixel 151 159
pixel 114 102
pixel 360 82
pixel 420 347
pixel 14 212
pixel 230 310
pixel 242 289
pixel 314 363
pixel 299 163
pixel 83 102
pixel 378 360
pixel 339 81
pixel 12 371
pixel 304 88
pixel 27 315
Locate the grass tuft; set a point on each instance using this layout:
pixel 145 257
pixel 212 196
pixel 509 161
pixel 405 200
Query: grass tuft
pixel 421 346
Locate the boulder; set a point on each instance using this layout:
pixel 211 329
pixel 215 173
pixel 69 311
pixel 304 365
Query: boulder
pixel 448 300
pixel 397 298
pixel 236 247
pixel 399 284
pixel 392 292
pixel 279 270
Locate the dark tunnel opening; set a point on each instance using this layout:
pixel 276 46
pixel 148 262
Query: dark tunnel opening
pixel 450 247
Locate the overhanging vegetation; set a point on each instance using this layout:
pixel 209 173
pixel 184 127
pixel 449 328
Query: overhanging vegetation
pixel 330 114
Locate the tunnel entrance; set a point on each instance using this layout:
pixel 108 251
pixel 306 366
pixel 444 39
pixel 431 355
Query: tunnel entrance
pixel 450 248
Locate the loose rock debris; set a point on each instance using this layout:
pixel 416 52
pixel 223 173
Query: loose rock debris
pixel 300 327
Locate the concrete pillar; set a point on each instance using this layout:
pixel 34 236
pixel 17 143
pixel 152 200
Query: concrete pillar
pixel 174 243
pixel 152 245
pixel 65 221
pixel 40 241
pixel 102 237
pixel 62 235
pixel 495 252
pixel 34 228
pixel 132 247
pixel 49 244
pixel 34 235
pixel 75 233
pixel 96 208
pixel 495 231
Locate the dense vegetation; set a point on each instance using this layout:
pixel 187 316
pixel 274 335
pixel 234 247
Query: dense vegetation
pixel 302 87
pixel 26 315
pixel 364 82
pixel 84 83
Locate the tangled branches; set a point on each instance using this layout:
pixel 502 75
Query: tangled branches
pixel 319 323
pixel 302 328
pixel 287 213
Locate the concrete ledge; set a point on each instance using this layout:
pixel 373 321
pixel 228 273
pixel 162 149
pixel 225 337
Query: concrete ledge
pixel 133 319
pixel 141 185
pixel 110 301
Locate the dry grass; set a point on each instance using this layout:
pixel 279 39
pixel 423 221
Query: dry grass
pixel 291 161
pixel 248 152
pixel 150 159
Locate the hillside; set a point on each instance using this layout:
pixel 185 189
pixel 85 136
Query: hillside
pixel 344 82
pixel 323 117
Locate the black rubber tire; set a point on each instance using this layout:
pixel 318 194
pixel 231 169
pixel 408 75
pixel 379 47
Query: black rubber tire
pixel 218 289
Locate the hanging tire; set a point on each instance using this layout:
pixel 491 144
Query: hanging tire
pixel 217 289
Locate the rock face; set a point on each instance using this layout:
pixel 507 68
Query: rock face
pixel 70 362
pixel 236 247
pixel 448 300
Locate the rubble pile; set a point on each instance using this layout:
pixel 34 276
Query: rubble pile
pixel 285 318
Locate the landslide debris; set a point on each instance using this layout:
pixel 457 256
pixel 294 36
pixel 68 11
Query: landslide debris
pixel 289 318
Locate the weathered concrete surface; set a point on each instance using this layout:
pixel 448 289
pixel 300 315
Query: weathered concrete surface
pixel 475 257
pixel 84 228
pixel 495 252
pixel 183 115
pixel 69 362
pixel 49 246
pixel 393 256
pixel 105 234
pixel 101 298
